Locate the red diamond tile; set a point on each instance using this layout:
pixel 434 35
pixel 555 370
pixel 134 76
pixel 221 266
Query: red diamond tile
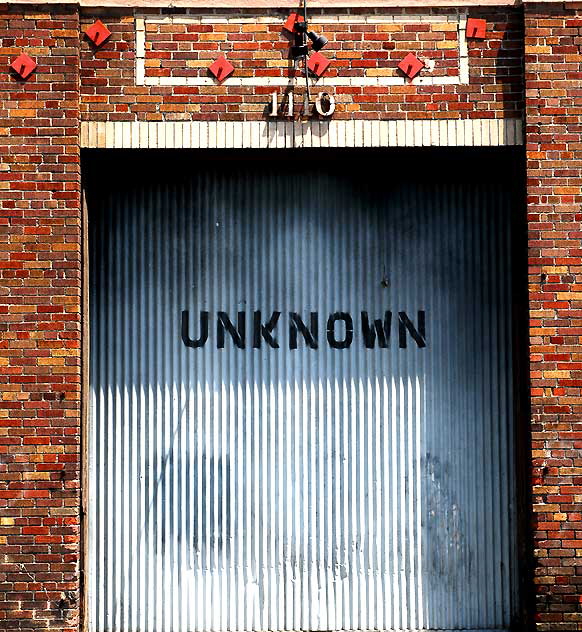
pixel 23 65
pixel 221 68
pixel 476 28
pixel 411 65
pixel 98 33
pixel 291 21
pixel 318 63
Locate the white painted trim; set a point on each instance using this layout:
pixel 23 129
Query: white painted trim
pixel 288 4
pixel 293 134
pixel 460 17
pixel 342 18
pixel 279 82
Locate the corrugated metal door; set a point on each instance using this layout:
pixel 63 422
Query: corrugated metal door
pixel 301 412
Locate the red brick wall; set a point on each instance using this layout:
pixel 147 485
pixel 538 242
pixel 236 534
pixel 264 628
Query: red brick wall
pixel 554 163
pixel 39 322
pixel 40 242
pixel 109 91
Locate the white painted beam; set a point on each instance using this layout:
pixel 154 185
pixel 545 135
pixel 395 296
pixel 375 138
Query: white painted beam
pixel 281 134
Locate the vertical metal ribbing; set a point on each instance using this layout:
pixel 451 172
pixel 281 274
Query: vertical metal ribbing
pixel 317 489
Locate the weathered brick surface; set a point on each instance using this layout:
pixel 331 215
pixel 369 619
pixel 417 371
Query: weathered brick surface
pixel 554 168
pixel 355 49
pixel 39 322
pixel 40 242
pixel 109 90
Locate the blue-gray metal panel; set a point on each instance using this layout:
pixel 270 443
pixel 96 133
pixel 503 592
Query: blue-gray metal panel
pixel 301 489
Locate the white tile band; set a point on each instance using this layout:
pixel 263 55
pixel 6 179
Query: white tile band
pixel 290 134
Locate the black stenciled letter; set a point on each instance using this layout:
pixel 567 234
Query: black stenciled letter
pixel 237 334
pixel 404 324
pixel 296 324
pixel 349 336
pixel 195 344
pixel 382 330
pixel 265 331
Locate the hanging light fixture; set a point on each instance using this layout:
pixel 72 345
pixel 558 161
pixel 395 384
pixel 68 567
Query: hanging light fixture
pixel 317 41
pixel 297 25
pixel 300 48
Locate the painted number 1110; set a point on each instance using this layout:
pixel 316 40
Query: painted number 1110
pixel 324 105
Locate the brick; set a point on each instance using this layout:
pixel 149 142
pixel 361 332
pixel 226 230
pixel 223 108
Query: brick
pixel 39 120
pixel 554 295
pixel 261 50
pixel 40 241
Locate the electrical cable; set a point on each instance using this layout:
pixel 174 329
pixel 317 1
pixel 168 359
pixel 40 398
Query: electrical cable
pixel 304 40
